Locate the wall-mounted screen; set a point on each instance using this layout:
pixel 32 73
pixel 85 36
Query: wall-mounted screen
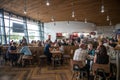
pixel 19 28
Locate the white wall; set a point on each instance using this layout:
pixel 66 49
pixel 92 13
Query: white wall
pixel 117 26
pixel 107 30
pixel 63 26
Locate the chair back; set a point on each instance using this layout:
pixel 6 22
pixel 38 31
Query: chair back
pixel 76 64
pixel 104 67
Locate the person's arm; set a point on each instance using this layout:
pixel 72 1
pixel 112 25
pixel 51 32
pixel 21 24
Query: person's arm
pixel 95 58
pixel 74 56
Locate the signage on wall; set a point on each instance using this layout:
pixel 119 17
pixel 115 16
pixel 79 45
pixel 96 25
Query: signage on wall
pixel 75 34
pixel 92 33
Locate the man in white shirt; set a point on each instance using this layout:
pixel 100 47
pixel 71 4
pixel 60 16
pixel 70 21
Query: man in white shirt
pixel 81 54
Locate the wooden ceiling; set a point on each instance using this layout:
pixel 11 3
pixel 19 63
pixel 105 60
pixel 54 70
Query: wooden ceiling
pixel 61 10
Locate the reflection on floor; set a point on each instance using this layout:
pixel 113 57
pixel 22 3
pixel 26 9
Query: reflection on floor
pixel 35 73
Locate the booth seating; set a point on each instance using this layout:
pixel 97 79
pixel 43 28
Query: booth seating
pixel 38 56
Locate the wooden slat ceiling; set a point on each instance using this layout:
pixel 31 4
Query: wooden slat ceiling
pixel 62 10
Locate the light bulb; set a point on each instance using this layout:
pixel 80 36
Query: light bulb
pixel 47 3
pixel 52 19
pixel 108 18
pixel 102 9
pixel 73 14
pixel 85 20
pixel 25 12
pixel 110 23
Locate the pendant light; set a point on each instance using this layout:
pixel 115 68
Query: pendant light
pixel 102 8
pixel 25 7
pixel 85 20
pixel 108 18
pixel 73 12
pixel 47 3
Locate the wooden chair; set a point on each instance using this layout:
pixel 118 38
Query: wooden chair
pixel 103 68
pixel 43 58
pixel 77 68
pixel 56 59
pixel 66 57
pixel 26 59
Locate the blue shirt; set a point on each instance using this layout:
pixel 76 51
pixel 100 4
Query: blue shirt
pixel 91 52
pixel 46 49
pixel 25 50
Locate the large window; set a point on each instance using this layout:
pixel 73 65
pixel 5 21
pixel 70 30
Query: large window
pixel 14 27
pixel 33 31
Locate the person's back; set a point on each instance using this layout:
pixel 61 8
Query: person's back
pixel 25 50
pixel 102 59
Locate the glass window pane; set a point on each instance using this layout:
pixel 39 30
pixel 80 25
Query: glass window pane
pixel 32 27
pixel 33 33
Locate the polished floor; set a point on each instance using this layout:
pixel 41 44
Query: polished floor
pixel 34 72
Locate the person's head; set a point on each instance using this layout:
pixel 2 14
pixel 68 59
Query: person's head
pixel 90 46
pixel 24 44
pixel 100 42
pixel 83 46
pixel 14 43
pixel 102 50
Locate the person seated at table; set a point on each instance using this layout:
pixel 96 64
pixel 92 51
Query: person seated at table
pixel 91 53
pixel 81 55
pixel 101 57
pixel 12 49
pixel 61 48
pixel 47 51
pixel 25 51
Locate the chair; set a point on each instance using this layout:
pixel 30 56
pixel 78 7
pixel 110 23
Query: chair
pixel 78 69
pixel 101 68
pixel 66 57
pixel 43 58
pixel 56 59
pixel 27 59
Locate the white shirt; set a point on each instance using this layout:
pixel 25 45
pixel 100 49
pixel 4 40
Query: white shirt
pixel 80 55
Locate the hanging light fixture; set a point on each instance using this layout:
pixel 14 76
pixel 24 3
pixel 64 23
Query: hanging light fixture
pixel 73 12
pixel 47 3
pixel 108 18
pixel 25 7
pixel 52 19
pixel 85 20
pixel 110 23
pixel 102 8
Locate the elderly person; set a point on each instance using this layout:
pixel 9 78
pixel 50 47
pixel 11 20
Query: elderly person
pixel 81 55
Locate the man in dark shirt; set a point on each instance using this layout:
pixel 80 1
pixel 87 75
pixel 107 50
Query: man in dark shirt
pixel 47 51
